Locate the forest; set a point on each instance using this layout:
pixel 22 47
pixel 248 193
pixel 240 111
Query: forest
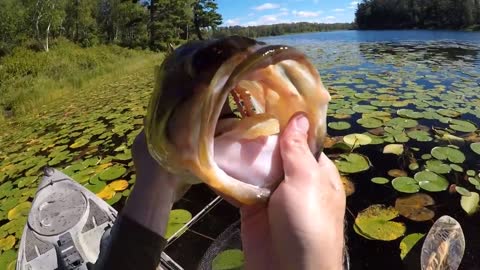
pixel 135 24
pixel 279 29
pixel 421 14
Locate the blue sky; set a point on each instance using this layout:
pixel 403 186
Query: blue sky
pixel 258 12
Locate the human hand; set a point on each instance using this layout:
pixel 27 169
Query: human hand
pixel 302 225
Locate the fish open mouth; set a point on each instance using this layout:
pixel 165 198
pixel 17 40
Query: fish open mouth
pixel 264 90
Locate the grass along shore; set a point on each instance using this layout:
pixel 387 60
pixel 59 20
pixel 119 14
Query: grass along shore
pixel 30 80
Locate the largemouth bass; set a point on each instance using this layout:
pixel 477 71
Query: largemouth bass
pixel 269 84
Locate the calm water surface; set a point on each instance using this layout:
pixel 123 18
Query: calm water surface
pixel 426 71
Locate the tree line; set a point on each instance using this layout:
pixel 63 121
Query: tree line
pixel 424 14
pixel 130 23
pixel 279 29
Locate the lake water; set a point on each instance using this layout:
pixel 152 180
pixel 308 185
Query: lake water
pixel 374 74
pixel 419 90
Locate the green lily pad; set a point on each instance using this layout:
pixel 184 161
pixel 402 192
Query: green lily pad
pixel 370 122
pixel 456 168
pixel 405 185
pixel 20 210
pixel 448 113
pixel 6 258
pixel 471 173
pixel 114 199
pixel 474 181
pixel 475 147
pixel 431 181
pixel 375 222
pixel 112 173
pixel 364 108
pixel 339 125
pixel 80 143
pixel 380 180
pixel 410 114
pixel 357 139
pixel 95 188
pixel 462 191
pixel 352 163
pixel 27 181
pixel 470 203
pixel 462 126
pixel 396 149
pixel 437 166
pixel 177 219
pixel 408 242
pixel 232 259
pixel 402 123
pixel 420 135
pixel 448 153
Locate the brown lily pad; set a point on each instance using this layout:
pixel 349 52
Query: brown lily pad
pixel 414 207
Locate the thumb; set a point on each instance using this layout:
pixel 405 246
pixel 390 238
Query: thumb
pixel 297 158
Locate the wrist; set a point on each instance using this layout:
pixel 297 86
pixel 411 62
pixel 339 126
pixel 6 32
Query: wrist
pixel 151 201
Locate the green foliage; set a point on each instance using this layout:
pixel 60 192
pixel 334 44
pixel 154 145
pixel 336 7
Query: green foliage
pixel 417 14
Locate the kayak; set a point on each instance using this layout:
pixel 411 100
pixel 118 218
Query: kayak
pixel 67 226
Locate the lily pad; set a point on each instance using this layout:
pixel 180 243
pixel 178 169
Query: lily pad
pixel 420 135
pixel 402 123
pixel 470 203
pixel 232 259
pixel 414 207
pixel 410 114
pixel 106 193
pixel 396 149
pixel 357 139
pixel 431 181
pixel 119 185
pixel 448 153
pixel 475 148
pixel 80 143
pixel 339 125
pixel 463 191
pixel 7 243
pixel 112 173
pixel 406 185
pixel 456 168
pixel 380 180
pixel 370 122
pixel 352 163
pixel 408 242
pixel 437 166
pixel 20 210
pixel 177 219
pixel 6 258
pixel 462 126
pixel 375 222
pixel 397 173
pixel 115 199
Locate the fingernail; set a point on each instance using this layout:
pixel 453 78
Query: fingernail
pixel 301 123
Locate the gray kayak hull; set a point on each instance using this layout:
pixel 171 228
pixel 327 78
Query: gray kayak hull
pixel 66 227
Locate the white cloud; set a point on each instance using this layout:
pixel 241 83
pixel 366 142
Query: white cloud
pixel 338 10
pixel 330 18
pixel 307 14
pixel 266 6
pixel 232 22
pixel 353 4
pixel 315 1
pixel 284 9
